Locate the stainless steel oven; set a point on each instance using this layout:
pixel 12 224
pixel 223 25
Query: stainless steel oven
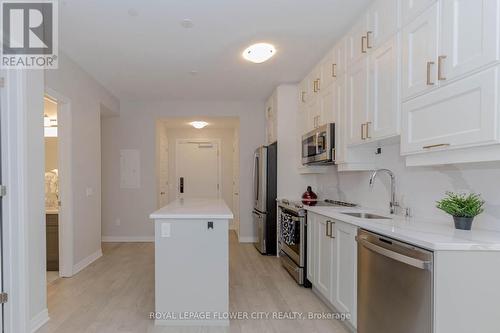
pixel 292 226
pixel 318 146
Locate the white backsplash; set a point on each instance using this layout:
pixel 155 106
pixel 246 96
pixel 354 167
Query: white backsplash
pixel 417 187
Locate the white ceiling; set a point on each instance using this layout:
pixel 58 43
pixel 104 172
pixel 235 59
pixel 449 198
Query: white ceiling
pixel 139 50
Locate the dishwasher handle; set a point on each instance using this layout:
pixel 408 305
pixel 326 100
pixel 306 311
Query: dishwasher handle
pixel 421 264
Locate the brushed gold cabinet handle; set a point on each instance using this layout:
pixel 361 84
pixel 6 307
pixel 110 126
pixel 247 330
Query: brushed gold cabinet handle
pixel 334 155
pixel 363 39
pixel 327 228
pixel 318 84
pixel 429 64
pixel 363 131
pixel 367 130
pixel 440 68
pixel 303 97
pixel 436 145
pixel 368 39
pixel 334 70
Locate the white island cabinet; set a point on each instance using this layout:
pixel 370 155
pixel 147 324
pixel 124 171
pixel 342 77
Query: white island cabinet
pixel 192 263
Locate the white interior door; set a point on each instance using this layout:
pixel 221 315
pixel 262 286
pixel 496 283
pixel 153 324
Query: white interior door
pixel 198 169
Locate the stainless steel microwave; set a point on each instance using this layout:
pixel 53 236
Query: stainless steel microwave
pixel 318 146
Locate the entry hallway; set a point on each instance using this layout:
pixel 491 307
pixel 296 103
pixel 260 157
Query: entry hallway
pixel 116 294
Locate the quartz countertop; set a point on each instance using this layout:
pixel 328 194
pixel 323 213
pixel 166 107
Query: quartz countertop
pixel 429 234
pixel 194 209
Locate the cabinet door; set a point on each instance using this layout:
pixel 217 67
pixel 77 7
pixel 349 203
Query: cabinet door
pixel 420 54
pixel 384 91
pixel 357 101
pixel 324 256
pixel 410 9
pixel 326 106
pixel 469 36
pixel 345 270
pixel 356 40
pixel 311 248
pixel 462 113
pixel 339 59
pixel 313 114
pixel 327 70
pixel 383 17
pixel 339 111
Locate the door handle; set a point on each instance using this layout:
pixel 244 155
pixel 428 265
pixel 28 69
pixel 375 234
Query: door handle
pixel 441 77
pixel 363 40
pixel 181 184
pixel 429 64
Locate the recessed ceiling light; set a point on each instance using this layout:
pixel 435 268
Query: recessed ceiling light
pixel 187 23
pixel 259 53
pixel 193 72
pixel 198 124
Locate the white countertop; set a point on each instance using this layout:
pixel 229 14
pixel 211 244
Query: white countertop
pixel 194 209
pixel 428 234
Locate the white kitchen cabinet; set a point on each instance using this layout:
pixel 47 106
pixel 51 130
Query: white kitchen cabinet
pixel 357 39
pixel 469 36
pixel 339 59
pixel 462 113
pixel 327 110
pixel 327 70
pixel 345 269
pixel 271 119
pixel 410 9
pixel 420 53
pixel 339 112
pixel 311 248
pixel 385 103
pixel 324 255
pixel 357 101
pixel 383 22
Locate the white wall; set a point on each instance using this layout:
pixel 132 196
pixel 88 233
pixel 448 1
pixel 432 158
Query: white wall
pixel 418 187
pixel 88 98
pixel 135 129
pixel 225 135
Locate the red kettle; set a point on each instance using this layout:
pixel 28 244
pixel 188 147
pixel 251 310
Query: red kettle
pixel 309 197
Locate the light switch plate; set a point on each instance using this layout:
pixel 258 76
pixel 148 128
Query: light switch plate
pixel 165 230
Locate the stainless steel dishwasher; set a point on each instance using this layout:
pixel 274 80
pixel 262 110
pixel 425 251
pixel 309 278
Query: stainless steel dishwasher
pixel 395 286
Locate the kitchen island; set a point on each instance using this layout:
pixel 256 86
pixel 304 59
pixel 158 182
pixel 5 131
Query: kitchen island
pixel 192 263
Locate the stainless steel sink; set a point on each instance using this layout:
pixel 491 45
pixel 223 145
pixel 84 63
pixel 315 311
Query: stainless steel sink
pixel 368 216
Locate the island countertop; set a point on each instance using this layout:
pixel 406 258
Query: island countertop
pixel 194 208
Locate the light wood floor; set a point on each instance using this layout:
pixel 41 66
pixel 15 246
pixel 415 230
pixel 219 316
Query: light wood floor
pixel 116 294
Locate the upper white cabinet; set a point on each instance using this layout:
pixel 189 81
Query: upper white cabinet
pixel 382 22
pixel 384 113
pixel 420 52
pixel 462 113
pixel 410 9
pixel 357 40
pixel 357 102
pixel 469 36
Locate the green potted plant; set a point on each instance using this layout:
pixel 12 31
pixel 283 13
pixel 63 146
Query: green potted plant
pixel 463 207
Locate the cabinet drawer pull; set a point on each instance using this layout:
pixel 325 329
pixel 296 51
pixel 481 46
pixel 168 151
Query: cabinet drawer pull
pixel 441 77
pixel 318 84
pixel 303 97
pixel 334 70
pixel 368 136
pixel 327 228
pixel 436 145
pixel 429 64
pixel 363 40
pixel 363 131
pixel 368 39
pixel 334 155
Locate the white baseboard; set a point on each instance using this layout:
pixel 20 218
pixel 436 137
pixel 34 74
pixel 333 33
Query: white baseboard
pixel 128 239
pixel 247 239
pixel 39 320
pixel 87 261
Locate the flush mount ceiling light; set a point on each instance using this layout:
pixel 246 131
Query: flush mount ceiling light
pixel 198 124
pixel 259 53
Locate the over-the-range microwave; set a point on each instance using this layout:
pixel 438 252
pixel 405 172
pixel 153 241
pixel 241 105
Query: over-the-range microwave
pixel 318 146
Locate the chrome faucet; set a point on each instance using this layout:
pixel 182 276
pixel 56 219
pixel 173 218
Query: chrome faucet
pixel 393 204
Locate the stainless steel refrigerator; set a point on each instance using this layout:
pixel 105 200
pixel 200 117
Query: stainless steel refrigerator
pixel 264 196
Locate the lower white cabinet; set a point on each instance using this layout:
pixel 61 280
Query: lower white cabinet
pixel 332 262
pixel 460 114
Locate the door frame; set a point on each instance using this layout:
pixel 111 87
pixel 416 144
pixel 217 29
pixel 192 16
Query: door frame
pixel 64 142
pixel 178 142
